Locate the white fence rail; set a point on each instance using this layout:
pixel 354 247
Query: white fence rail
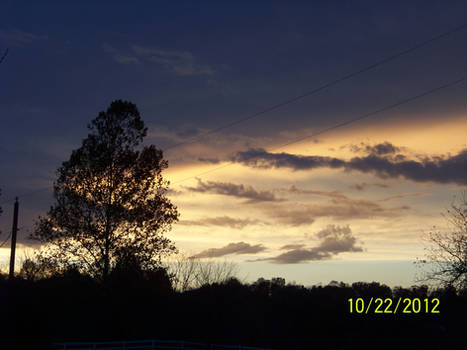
pixel 149 344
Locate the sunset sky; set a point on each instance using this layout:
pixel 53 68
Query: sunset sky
pixel 259 189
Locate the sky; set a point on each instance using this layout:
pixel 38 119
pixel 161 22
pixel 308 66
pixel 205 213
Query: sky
pixel 284 190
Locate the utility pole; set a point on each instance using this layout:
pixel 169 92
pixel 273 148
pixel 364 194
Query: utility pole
pixel 13 240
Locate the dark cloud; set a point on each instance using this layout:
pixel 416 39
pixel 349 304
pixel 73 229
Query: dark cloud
pixel 333 240
pixel 363 186
pixel 209 160
pixel 380 149
pixel 229 189
pixel 450 169
pixel 260 158
pixel 221 221
pixel 297 256
pixel 231 248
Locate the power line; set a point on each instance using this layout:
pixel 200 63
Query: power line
pixel 26 194
pixel 292 100
pixel 322 87
pixel 350 121
pixel 6 240
pixel 28 227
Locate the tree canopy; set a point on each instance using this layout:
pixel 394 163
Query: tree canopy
pixel 110 204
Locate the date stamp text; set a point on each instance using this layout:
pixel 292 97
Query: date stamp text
pixel 394 306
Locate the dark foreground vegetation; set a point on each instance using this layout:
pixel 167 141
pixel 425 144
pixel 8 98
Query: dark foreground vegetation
pixel 142 305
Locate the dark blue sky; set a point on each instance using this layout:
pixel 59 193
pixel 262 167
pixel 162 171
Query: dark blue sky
pixel 216 62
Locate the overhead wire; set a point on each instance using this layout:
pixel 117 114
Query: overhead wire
pixel 294 99
pixel 339 125
pixel 25 194
pixel 320 88
pixel 6 240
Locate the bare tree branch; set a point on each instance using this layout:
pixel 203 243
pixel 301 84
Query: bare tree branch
pixel 447 254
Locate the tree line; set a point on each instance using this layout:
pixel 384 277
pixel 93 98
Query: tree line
pixel 135 304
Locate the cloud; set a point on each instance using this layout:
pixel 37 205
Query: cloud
pixel 119 57
pixel 297 256
pixel 209 160
pixel 212 148
pixel 363 186
pixel 333 240
pixel 187 131
pixel 291 246
pixel 333 194
pixel 19 38
pixel 403 195
pixel 337 239
pixel 124 59
pixel 450 169
pixel 292 217
pixel 175 135
pixel 173 192
pixel 260 158
pixel 221 221
pixel 180 62
pixel 338 208
pixel 380 149
pixel 231 248
pixel 230 189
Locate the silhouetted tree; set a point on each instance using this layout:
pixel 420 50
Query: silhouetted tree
pixel 182 271
pixel 373 289
pixel 110 200
pixel 447 256
pixel 191 272
pixel 210 272
pixel 30 270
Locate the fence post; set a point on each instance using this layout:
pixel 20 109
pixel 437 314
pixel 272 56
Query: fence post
pixel 182 345
pixel 152 345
